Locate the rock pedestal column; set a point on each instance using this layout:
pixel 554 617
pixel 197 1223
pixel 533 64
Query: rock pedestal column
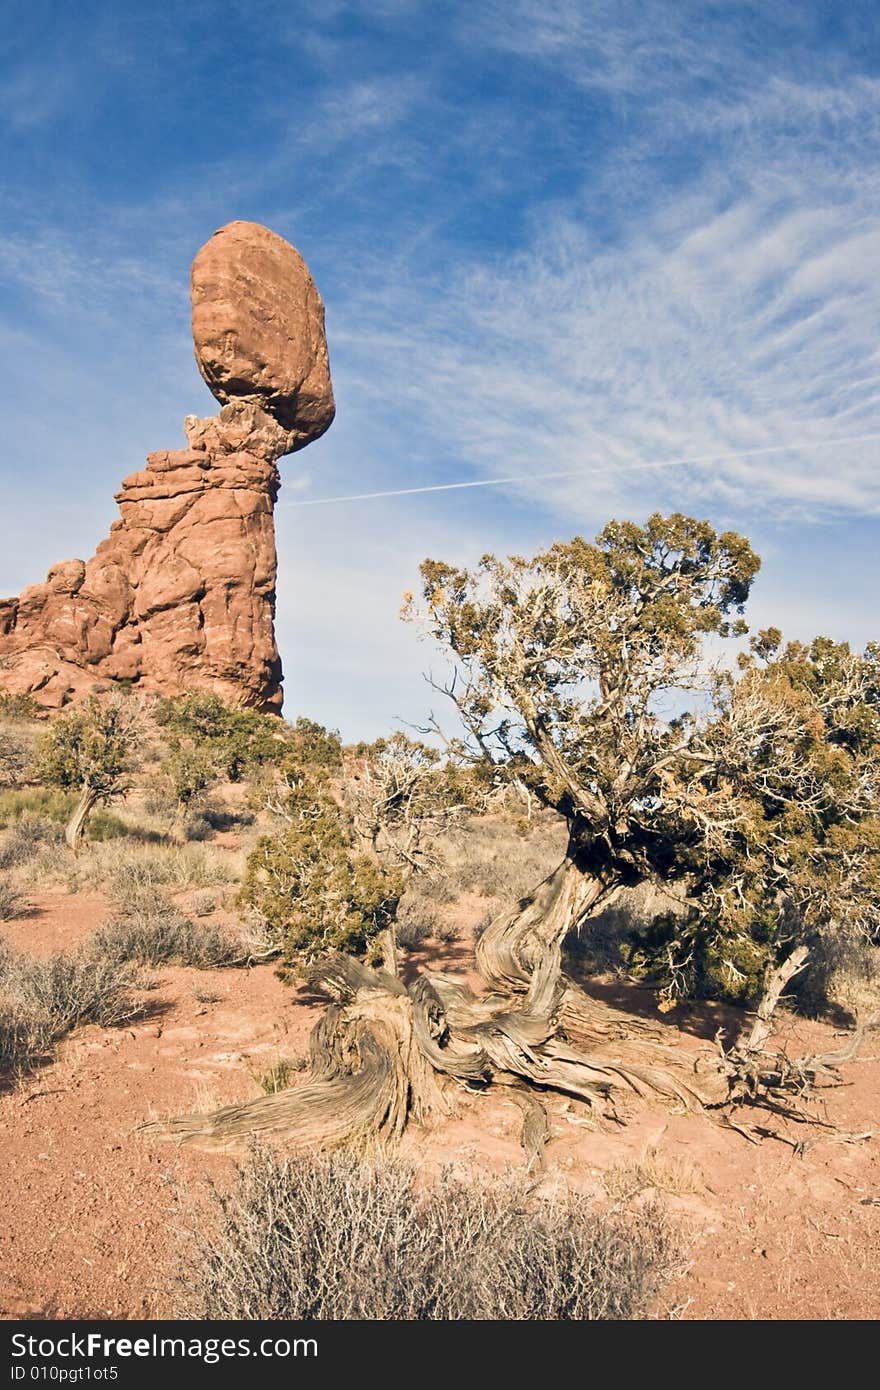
pixel 181 595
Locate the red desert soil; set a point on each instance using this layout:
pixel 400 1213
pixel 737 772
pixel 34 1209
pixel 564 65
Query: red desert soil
pixel 93 1219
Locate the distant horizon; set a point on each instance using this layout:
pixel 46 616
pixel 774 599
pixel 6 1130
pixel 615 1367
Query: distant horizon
pixel 549 238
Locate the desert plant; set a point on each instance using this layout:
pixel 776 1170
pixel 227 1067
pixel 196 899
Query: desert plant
pixel 336 1238
pixel 310 884
pixel 48 803
pixel 15 755
pixel 279 1076
pixel 155 932
pixel 209 741
pixel 571 672
pixel 12 902
pixel 25 838
pixel 43 1000
pixel 18 707
pixel 89 749
pixel 411 932
pixel 202 904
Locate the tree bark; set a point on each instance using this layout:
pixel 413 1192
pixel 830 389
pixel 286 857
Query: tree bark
pixel 385 1053
pixel 88 800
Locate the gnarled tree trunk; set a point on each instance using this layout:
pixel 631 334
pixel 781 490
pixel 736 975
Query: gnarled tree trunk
pixel 88 800
pixel 384 1053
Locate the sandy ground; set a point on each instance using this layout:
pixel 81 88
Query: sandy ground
pixel 93 1213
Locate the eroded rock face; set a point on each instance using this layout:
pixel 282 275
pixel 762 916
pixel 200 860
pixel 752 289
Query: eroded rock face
pixel 181 595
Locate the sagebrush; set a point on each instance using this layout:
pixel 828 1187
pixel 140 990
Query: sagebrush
pixel 335 1237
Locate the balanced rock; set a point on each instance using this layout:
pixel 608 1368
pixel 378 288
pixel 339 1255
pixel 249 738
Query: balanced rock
pixel 181 595
pixel 258 328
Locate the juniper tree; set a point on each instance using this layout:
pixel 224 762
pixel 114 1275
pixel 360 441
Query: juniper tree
pixel 583 674
pixel 89 749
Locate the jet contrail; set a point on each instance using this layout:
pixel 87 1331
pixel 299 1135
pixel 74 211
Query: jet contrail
pixel 586 469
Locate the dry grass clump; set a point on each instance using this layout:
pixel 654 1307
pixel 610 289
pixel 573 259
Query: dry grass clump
pixel 331 1237
pixel 153 931
pixel 113 865
pixel 279 1076
pixel 41 1001
pixel 12 903
pixel 28 837
pixel 656 1172
pixel 168 939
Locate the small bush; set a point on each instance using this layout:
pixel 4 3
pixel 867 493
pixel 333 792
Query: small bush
pixel 167 936
pixel 12 902
pixel 206 996
pixel 279 1076
pixel 15 755
pixel 842 975
pixel 26 838
pixel 104 825
pixel 411 933
pixel 117 864
pixel 203 904
pixel 313 887
pixel 43 1000
pixel 196 826
pixel 447 932
pixel 334 1238
pixel 18 707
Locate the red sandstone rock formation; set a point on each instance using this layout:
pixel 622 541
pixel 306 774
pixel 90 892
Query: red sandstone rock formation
pixel 182 593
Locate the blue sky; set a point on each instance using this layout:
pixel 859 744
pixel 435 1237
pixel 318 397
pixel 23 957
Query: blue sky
pixel 550 237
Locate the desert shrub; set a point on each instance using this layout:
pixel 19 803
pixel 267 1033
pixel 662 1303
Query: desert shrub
pixel 165 940
pixel 153 931
pixel 203 904
pixel 447 932
pixel 311 887
pixel 43 1000
pixel 160 802
pixel 12 902
pixel 104 825
pixel 26 838
pixel 196 826
pixel 48 803
pixel 410 932
pixel 490 856
pixel 335 1238
pixel 116 865
pixel 209 741
pixel 51 807
pixel 206 996
pixel 842 973
pixel 15 755
pixel 18 707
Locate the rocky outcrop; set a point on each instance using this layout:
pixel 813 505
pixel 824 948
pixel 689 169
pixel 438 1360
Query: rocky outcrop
pixel 181 595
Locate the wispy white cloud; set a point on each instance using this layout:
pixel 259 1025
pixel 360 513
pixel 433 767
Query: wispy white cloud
pixel 748 325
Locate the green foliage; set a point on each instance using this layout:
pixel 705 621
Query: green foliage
pixel 315 748
pixel 18 707
pixel 311 885
pixel 795 857
pixel 563 660
pixel 88 747
pixel 761 800
pixel 48 803
pixel 209 741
